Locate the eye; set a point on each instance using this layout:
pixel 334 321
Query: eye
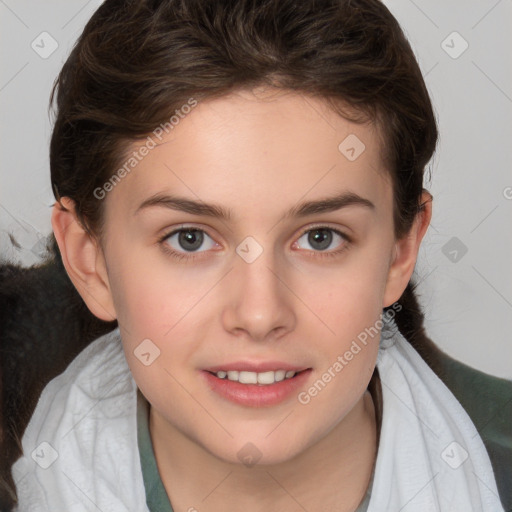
pixel 183 243
pixel 321 238
pixel 185 240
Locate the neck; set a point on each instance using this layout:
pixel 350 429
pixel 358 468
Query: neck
pixel 332 474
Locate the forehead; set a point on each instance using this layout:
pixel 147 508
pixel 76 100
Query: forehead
pixel 254 147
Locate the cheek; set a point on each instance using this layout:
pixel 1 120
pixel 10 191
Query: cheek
pixel 153 303
pixel 352 296
pixel 149 295
pixel 351 304
pixel 352 309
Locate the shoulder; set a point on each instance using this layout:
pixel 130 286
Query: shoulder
pixel 97 377
pixel 488 401
pixel 486 398
pixel 82 435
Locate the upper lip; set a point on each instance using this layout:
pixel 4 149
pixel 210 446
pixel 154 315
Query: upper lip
pixel 258 367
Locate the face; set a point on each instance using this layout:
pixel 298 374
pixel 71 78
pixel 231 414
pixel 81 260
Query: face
pixel 272 285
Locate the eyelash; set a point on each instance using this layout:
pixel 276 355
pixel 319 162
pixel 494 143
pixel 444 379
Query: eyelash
pixel 193 256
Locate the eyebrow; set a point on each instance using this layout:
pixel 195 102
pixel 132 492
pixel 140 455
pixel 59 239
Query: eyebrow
pixel 328 204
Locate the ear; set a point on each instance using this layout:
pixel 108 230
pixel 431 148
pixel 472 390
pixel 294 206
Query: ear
pixel 406 252
pixel 83 260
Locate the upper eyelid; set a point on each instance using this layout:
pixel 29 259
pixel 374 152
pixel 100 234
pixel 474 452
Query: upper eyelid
pixel 339 230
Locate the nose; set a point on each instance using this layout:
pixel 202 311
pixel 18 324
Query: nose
pixel 258 302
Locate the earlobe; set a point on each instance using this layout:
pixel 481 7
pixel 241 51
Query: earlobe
pixel 83 260
pixel 406 253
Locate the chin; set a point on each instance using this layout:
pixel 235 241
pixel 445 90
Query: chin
pixel 258 452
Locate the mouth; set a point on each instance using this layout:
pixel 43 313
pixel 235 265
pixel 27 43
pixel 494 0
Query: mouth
pixel 256 389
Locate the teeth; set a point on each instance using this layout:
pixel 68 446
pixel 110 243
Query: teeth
pixel 232 375
pixel 248 378
pixel 266 378
pixel 263 378
pixel 280 375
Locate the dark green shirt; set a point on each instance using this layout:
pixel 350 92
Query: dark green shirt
pixel 488 401
pixel 156 497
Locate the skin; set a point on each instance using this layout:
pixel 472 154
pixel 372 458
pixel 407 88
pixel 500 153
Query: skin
pixel 258 153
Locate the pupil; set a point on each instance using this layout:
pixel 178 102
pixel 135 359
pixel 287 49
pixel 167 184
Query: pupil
pixel 321 236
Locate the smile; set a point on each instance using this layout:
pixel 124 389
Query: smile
pixel 256 389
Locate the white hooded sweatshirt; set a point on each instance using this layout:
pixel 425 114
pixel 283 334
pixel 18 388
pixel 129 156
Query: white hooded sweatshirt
pixel 81 451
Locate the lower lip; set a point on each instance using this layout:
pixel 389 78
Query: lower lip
pixel 254 395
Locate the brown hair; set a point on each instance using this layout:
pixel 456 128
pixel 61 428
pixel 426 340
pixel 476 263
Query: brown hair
pixel 138 61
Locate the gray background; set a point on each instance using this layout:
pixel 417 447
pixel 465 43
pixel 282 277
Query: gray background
pixel 465 261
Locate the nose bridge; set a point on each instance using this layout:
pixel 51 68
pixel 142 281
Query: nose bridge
pixel 257 267
pixel 260 301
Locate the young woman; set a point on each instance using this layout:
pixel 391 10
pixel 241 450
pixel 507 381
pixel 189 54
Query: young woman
pixel 239 185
